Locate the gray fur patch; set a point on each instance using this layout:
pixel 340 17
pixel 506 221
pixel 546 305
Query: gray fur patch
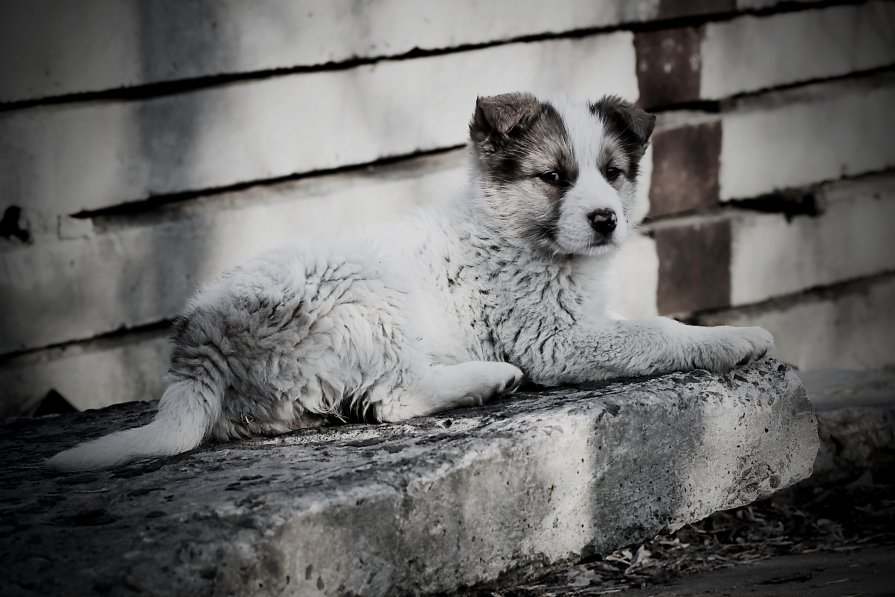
pixel 536 143
pixel 627 123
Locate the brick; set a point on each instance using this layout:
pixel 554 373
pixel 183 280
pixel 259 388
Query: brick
pixel 851 238
pixel 256 130
pixel 749 54
pixel 847 328
pixel 49 49
pixel 694 265
pixel 808 135
pixel 744 257
pixel 685 169
pixel 668 66
pixel 757 147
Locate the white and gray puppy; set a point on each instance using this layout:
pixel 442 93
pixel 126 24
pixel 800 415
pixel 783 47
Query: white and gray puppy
pixel 447 308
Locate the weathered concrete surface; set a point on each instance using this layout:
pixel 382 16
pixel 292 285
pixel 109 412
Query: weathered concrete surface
pixel 426 506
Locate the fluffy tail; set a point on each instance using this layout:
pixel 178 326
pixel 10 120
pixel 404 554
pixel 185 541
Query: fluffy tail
pixel 186 414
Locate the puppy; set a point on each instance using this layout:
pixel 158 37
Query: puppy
pixel 448 308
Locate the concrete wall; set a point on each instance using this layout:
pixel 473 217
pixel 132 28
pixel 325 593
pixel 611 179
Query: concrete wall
pixel 144 147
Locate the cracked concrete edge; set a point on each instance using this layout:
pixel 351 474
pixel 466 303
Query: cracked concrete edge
pixel 430 506
pixel 669 464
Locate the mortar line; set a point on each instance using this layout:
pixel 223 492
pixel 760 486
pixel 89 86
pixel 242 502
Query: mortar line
pixel 131 208
pixel 834 290
pixel 142 91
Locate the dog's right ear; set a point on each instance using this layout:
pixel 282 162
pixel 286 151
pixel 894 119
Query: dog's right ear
pixel 496 115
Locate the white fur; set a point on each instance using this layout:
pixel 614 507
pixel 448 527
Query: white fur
pixel 591 191
pixel 182 422
pixel 445 308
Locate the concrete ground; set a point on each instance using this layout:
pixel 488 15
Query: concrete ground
pixel 868 571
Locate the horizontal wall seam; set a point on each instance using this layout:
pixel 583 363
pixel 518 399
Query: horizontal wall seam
pixel 185 85
pixel 102 340
pixel 832 291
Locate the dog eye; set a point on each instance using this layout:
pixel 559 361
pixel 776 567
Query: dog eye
pixel 551 177
pixel 612 173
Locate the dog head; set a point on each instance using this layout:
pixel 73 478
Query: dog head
pixel 557 174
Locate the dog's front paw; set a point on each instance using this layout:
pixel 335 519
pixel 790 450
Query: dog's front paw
pixel 727 347
pixel 505 379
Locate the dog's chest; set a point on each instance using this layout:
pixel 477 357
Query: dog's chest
pixel 452 312
pixel 495 293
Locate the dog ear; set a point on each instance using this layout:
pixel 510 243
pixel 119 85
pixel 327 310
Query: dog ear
pixel 625 119
pixel 495 116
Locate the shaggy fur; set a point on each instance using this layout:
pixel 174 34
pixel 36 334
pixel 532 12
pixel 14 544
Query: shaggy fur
pixel 447 308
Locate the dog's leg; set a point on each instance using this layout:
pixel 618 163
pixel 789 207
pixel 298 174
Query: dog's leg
pixel 631 348
pixel 443 387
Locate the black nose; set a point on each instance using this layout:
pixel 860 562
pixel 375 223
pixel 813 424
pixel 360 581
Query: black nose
pixel 603 221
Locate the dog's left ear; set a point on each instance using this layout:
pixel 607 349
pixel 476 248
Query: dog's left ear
pixel 496 115
pixel 625 119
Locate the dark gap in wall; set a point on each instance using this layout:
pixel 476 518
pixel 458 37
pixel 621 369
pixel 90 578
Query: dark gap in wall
pixel 101 339
pixel 165 88
pixel 11 226
pixel 707 106
pixel 710 213
pixel 790 203
pixel 142 206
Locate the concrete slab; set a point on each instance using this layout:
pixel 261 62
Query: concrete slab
pixel 427 506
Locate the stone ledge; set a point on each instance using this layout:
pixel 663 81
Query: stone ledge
pixel 428 506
